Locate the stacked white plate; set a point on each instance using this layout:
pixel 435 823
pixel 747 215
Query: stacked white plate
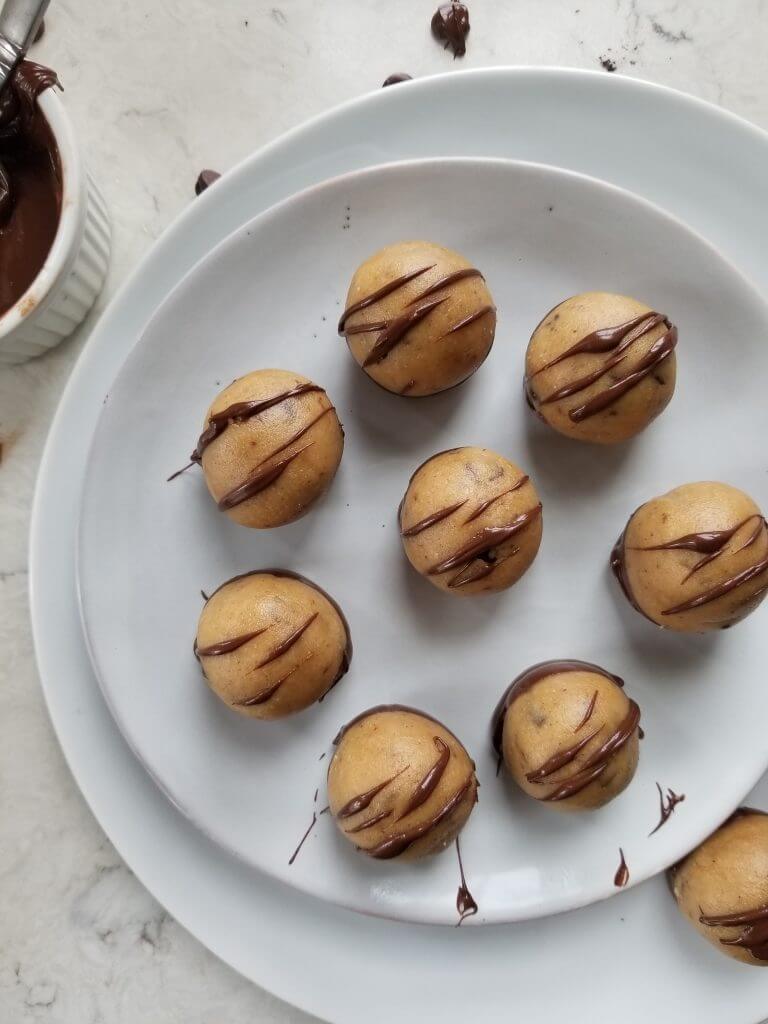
pixel 705 167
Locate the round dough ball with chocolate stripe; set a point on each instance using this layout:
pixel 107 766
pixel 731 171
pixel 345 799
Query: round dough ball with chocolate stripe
pixel 270 643
pixel 694 559
pixel 600 367
pixel 400 784
pixel 470 521
pixel 568 734
pixel 419 318
pixel 722 887
pixel 270 447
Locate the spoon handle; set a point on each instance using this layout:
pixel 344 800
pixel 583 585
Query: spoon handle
pixel 19 22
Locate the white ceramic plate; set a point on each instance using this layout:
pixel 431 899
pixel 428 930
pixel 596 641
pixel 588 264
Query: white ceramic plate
pixel 270 296
pixel 714 176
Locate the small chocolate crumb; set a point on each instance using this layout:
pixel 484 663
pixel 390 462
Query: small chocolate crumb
pixel 204 180
pixel 399 76
pixel 607 64
pixel 450 24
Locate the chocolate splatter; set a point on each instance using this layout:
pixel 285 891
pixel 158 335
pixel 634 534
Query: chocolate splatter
pixel 667 804
pixel 450 25
pixel 621 877
pixel 205 179
pixel 395 79
pixel 465 903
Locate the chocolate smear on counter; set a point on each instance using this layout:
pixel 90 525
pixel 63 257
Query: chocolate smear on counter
pixel 30 182
pixel 465 903
pixel 621 877
pixel 667 804
pixel 450 25
pixel 753 935
pixel 526 680
pixel 205 179
pixel 399 76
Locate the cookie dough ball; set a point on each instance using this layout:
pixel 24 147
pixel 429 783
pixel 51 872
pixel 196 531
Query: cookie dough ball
pixel 722 887
pixel 270 448
pixel 400 784
pixel 568 734
pixel 600 367
pixel 271 643
pixel 470 521
pixel 695 558
pixel 419 318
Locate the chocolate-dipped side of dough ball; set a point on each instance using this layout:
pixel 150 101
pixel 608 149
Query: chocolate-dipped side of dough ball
pixel 400 784
pixel 695 558
pixel 722 887
pixel 419 318
pixel 599 367
pixel 270 448
pixel 470 521
pixel 568 734
pixel 271 642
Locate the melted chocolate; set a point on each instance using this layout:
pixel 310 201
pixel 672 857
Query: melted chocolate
pixel 395 845
pixel 285 645
pixel 732 583
pixel 619 569
pixel 711 544
pixel 482 547
pixel 588 713
pixel 261 478
pixel 364 800
pixel 522 683
pixel 205 179
pixel 436 517
pixel 227 646
pixel 621 877
pixel 30 182
pixel 346 657
pixel 465 903
pixel 305 837
pixel 395 330
pixel 666 806
pixel 450 24
pixel 399 76
pixel 616 340
pixel 490 501
pixel 240 412
pixel 426 787
pixel 754 929
pixel 265 695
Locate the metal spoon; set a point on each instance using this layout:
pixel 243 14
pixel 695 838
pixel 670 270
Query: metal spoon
pixel 19 22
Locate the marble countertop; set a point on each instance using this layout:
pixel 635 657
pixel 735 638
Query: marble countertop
pixel 81 941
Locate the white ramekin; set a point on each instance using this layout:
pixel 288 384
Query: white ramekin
pixel 73 273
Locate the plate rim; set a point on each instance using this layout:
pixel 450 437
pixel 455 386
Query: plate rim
pixel 138 351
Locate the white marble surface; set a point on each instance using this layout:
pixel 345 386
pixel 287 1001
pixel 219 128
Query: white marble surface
pixel 81 942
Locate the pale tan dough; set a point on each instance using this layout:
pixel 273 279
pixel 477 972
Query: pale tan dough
pixel 291 644
pixel 553 717
pixel 400 784
pixel 484 504
pixel 304 425
pixel 659 580
pixel 727 877
pixel 435 351
pixel 567 324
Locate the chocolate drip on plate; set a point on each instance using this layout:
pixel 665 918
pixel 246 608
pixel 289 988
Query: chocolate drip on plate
pixel 465 903
pixel 621 877
pixel 431 780
pixel 399 76
pixel 754 929
pixel 666 806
